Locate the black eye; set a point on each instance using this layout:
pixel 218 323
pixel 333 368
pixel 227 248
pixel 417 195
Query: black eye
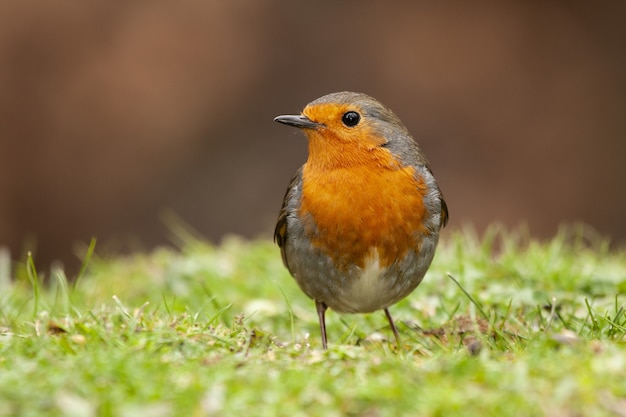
pixel 351 118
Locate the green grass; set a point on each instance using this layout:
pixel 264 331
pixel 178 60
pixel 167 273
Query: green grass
pixel 503 325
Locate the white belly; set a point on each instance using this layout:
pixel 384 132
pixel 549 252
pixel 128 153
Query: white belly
pixel 370 292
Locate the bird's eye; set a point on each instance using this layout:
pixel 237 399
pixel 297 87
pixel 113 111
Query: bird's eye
pixel 351 118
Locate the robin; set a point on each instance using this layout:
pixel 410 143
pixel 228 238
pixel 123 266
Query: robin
pixel 361 218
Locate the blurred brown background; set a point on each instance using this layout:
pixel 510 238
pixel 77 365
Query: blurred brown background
pixel 111 112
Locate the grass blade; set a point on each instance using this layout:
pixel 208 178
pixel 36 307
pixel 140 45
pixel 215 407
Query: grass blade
pixel 469 296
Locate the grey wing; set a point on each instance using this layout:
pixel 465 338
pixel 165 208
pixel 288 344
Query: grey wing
pixel 291 200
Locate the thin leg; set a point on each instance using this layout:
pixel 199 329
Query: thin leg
pixel 393 327
pixel 321 311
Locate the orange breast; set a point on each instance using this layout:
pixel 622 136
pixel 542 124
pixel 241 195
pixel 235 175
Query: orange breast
pixel 364 207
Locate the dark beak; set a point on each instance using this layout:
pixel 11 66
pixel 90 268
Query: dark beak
pixel 299 121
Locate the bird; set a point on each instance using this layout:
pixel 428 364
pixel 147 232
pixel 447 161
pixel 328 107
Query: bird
pixel 360 220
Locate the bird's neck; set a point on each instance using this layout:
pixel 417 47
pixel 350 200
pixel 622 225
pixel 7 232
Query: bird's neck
pixel 328 153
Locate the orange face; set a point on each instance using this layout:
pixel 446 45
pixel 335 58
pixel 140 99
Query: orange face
pixel 337 144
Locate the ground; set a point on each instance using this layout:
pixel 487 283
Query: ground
pixel 502 325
